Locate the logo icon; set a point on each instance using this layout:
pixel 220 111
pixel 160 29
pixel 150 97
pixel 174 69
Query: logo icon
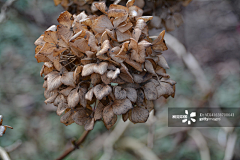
pixel 189 117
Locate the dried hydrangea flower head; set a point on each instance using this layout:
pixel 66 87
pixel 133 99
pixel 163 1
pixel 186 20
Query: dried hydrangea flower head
pixel 165 13
pixel 3 128
pixel 98 67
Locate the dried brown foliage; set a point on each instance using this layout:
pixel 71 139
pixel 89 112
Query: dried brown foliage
pixel 98 67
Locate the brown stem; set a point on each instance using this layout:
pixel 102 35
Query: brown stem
pixel 69 150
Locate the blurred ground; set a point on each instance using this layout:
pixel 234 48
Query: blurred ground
pixel 211 32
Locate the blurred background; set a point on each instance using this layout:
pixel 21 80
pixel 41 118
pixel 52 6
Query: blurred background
pixel 204 60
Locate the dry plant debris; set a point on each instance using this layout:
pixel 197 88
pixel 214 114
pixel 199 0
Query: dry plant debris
pixel 166 13
pixel 98 67
pixel 3 128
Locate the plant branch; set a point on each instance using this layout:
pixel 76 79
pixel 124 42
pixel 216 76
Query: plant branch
pixel 76 144
pixel 3 154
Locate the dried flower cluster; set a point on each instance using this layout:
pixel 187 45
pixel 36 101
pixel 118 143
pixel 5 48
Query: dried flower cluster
pixel 165 13
pixel 3 128
pixel 98 67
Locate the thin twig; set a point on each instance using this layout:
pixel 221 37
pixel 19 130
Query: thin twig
pixel 201 143
pixel 138 148
pixel 229 152
pixel 112 138
pixel 69 150
pixel 3 154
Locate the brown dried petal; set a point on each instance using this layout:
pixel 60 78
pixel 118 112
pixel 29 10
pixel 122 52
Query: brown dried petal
pixel 113 74
pixel 61 108
pixel 123 36
pixel 131 94
pixel 138 115
pixel 81 45
pixel 159 43
pixel 88 69
pixel 162 62
pixel 102 23
pixel 67 79
pixel 101 6
pixel 104 48
pixel 164 89
pixel 140 97
pixel 95 78
pixel 149 67
pixel 53 80
pixel 124 27
pixel 67 118
pixel 80 117
pixel 150 91
pixel 121 106
pixel 52 98
pixel 101 91
pixel 136 34
pixel 109 118
pixel 101 68
pixel 125 117
pixel 99 111
pixel 105 79
pixel 73 98
pixel 119 93
pixel 143 77
pixel 89 124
